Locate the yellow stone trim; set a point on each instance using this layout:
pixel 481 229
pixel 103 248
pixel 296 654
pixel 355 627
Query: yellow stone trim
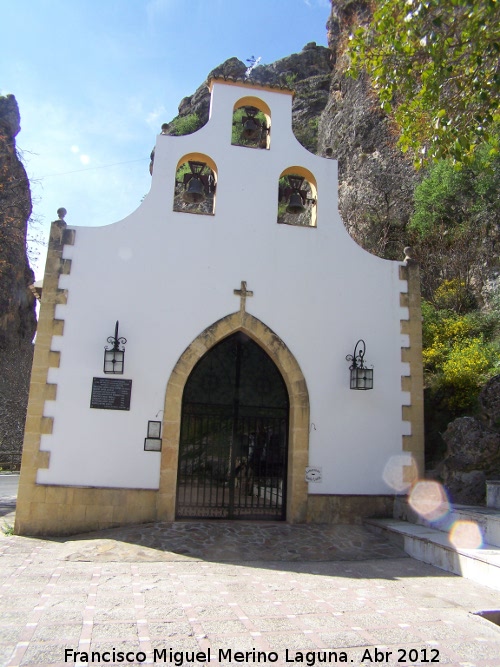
pixel 247 83
pixel 406 383
pixel 57 327
pixel 405 327
pixel 412 355
pixel 31 497
pixel 305 173
pixel 334 509
pixel 54 359
pixel 46 425
pixel 198 157
pixel 63 510
pixel 65 267
pixel 43 459
pixel 298 447
pixel 251 101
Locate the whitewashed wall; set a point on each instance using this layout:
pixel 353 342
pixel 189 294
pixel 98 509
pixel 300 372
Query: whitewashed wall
pixel 166 276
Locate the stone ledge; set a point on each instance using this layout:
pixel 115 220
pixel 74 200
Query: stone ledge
pixel 433 546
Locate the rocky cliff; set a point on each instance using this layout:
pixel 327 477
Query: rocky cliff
pixel 473 449
pixel 17 308
pixel 376 181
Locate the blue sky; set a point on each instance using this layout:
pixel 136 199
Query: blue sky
pixel 94 80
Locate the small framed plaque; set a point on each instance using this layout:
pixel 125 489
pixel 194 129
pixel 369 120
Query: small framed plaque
pixel 111 394
pixel 154 429
pixel 152 444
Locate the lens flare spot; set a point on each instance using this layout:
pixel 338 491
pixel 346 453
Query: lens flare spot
pixel 466 535
pixel 429 499
pixel 400 472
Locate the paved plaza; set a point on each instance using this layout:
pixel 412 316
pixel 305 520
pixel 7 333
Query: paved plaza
pixel 235 593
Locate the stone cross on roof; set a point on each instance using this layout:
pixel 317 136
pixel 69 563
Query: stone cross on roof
pixel 243 293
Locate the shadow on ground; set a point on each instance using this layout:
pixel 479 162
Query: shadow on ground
pixel 230 541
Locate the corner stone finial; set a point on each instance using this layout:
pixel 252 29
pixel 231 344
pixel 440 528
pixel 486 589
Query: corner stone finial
pixel 409 254
pixel 61 212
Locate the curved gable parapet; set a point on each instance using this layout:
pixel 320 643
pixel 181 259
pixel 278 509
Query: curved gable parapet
pixel 246 180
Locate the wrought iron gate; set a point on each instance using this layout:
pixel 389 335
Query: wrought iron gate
pixel 234 436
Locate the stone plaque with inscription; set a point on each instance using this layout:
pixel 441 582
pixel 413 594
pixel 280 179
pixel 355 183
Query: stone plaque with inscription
pixel 111 394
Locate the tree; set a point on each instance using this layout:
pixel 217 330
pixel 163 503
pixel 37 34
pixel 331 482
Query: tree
pixel 435 67
pixel 456 226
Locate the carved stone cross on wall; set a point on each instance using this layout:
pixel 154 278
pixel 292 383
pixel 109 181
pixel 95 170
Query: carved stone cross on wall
pixel 243 293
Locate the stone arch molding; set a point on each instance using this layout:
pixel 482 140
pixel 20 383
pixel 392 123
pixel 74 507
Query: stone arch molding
pixel 298 444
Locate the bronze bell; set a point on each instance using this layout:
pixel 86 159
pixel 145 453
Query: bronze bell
pixel 295 204
pixel 194 191
pixel 251 128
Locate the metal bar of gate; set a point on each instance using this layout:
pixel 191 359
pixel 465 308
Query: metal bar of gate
pixel 257 443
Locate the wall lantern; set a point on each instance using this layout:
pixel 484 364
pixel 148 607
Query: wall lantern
pixel 361 377
pixel 114 357
pixel 152 443
pixel 295 196
pixel 197 184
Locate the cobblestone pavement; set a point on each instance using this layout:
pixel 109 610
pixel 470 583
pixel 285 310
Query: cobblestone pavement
pixel 281 593
pixel 232 541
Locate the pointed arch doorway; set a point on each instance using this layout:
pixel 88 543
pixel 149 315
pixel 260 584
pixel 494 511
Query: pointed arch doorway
pixel 233 446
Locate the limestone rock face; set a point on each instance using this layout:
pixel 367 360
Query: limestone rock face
pixel 17 318
pixel 489 400
pixel 376 181
pixel 473 454
pixel 9 115
pixel 17 309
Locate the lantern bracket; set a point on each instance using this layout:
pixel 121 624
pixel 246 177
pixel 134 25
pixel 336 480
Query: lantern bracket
pixel 361 376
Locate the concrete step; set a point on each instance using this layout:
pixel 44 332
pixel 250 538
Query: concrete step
pixel 487 519
pixel 433 546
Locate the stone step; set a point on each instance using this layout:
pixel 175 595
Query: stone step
pixel 487 519
pixel 433 546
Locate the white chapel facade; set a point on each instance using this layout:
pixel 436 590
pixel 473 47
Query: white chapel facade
pixel 233 397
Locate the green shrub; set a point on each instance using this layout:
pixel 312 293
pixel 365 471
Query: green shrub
pixel 8 529
pixel 459 353
pixel 454 294
pixel 467 367
pixel 289 79
pixel 185 124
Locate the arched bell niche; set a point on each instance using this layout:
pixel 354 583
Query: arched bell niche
pixel 195 184
pixel 251 126
pixel 297 197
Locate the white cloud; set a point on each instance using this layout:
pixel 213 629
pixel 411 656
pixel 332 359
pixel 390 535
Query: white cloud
pixel 317 3
pixel 156 9
pixel 85 159
pixel 155 118
pixel 75 149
